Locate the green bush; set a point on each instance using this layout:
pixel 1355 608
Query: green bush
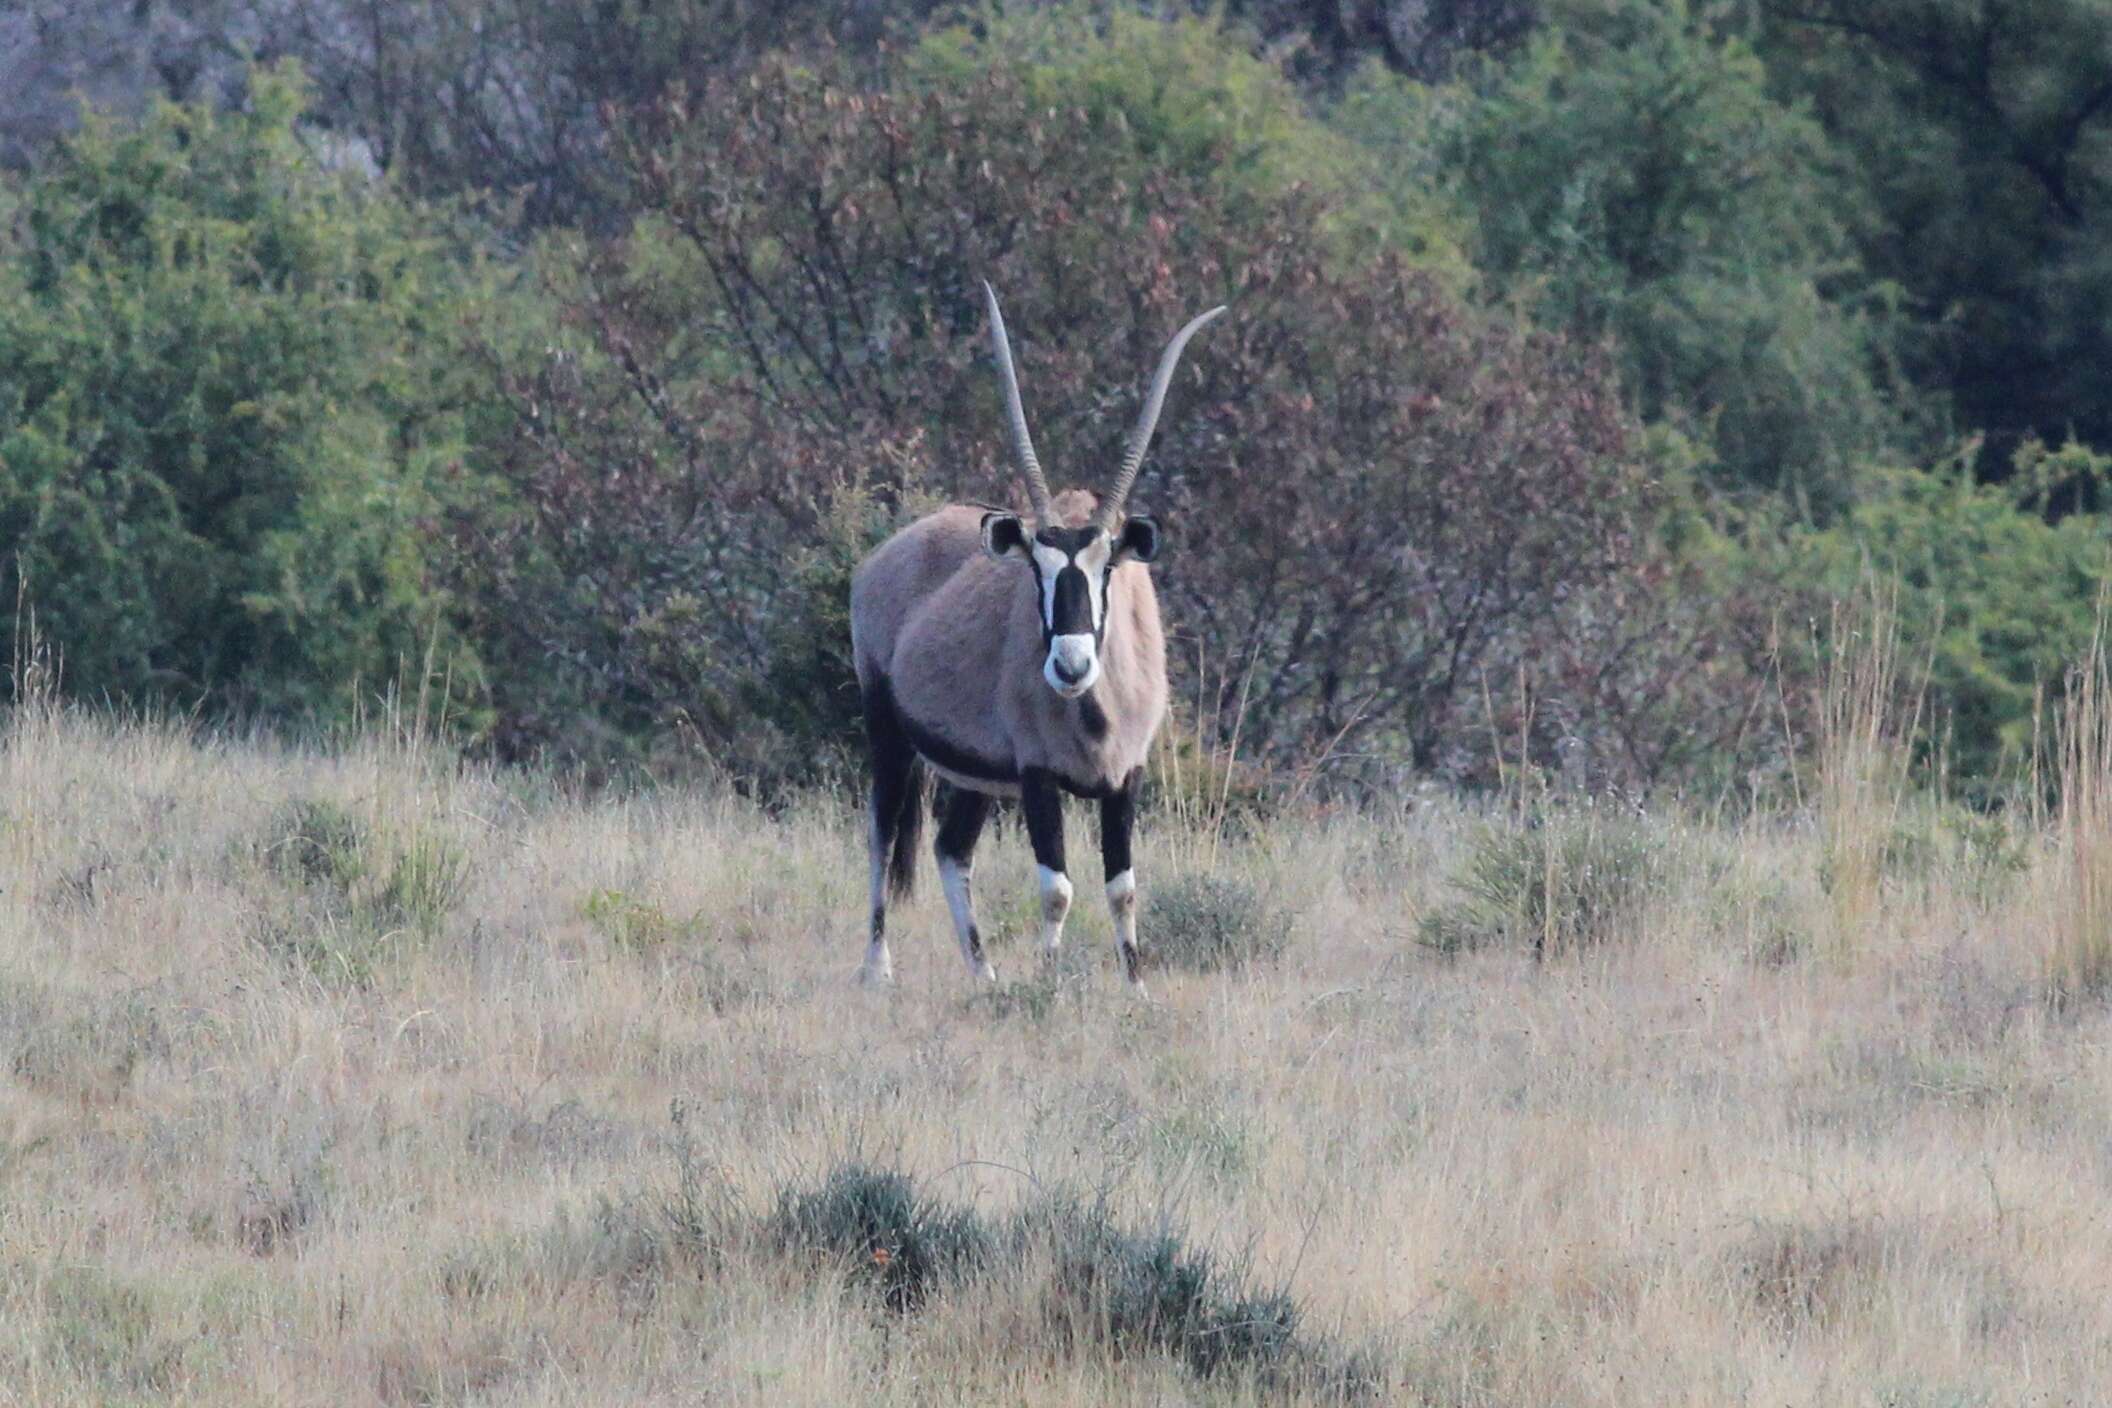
pixel 349 893
pixel 1125 1291
pixel 1202 922
pixel 795 322
pixel 1976 139
pixel 1571 878
pixel 225 387
pixel 1995 601
pixel 1146 1292
pixel 873 1225
pixel 1632 176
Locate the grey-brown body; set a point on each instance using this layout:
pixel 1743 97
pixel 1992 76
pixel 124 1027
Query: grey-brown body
pixel 923 607
pixel 1014 655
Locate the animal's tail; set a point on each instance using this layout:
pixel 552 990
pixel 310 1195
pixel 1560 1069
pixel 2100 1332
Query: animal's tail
pixel 898 788
pixel 909 835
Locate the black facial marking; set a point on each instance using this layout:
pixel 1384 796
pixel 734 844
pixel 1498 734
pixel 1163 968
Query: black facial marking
pixel 1072 612
pixel 1071 541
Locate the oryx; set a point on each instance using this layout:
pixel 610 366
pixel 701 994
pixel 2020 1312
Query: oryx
pixel 1015 658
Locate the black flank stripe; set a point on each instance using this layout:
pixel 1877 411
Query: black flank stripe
pixel 953 757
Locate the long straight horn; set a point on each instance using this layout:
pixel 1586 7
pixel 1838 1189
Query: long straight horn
pixel 1016 414
pixel 1140 438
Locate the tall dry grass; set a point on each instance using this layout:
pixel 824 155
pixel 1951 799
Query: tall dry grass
pixel 1862 754
pixel 2078 902
pixel 363 1076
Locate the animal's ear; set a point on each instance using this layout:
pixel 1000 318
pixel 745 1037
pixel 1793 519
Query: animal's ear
pixel 1004 535
pixel 1139 540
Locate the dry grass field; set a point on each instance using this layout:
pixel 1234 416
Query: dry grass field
pixel 362 1076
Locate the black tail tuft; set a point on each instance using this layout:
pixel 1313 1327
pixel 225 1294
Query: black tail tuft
pixel 909 835
pixel 898 788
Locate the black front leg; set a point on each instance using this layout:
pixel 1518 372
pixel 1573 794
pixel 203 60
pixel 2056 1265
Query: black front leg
pixel 1042 801
pixel 1118 819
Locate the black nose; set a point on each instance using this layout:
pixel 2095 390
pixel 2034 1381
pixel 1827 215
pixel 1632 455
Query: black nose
pixel 1064 673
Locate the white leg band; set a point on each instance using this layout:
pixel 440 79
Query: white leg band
pixel 954 876
pixel 1055 905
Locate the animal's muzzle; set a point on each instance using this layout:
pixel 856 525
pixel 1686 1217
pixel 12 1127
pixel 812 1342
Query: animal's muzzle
pixel 1073 665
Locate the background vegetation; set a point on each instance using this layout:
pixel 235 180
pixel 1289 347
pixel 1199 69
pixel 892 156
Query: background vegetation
pixel 559 362
pixel 1684 424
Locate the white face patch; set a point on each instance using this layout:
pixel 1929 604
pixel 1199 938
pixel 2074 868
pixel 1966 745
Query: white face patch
pixel 1049 561
pixel 1073 664
pixel 1092 560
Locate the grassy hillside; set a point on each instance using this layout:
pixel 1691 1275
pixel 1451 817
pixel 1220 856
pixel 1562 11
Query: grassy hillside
pixel 365 1077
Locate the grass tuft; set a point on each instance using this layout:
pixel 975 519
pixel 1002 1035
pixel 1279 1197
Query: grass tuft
pixel 1572 878
pixel 350 893
pixel 1211 921
pixel 1097 1285
pixel 1864 748
pixel 1810 1275
pixel 104 1328
pixel 2078 957
pixel 873 1225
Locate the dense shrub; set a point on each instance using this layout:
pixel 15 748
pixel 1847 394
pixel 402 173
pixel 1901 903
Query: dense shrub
pixel 1572 877
pixel 247 460
pixel 874 1225
pixel 1139 1292
pixel 1203 921
pixel 1091 1280
pixel 1377 495
pixel 1979 134
pixel 224 387
pixel 1997 603
pixel 1631 175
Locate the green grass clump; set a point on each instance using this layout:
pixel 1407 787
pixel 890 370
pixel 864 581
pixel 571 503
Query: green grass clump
pixel 635 925
pixel 348 892
pixel 1570 879
pixel 1143 1292
pixel 105 1329
pixel 875 1225
pixel 1094 1281
pixel 1205 922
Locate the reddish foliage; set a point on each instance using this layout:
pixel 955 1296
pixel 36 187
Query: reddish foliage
pixel 1385 506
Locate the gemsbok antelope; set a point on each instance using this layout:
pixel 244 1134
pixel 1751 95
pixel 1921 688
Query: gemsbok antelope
pixel 1015 658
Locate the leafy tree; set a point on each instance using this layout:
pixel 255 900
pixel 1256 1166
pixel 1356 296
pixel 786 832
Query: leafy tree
pixel 223 390
pixel 1378 496
pixel 1981 133
pixel 1999 603
pixel 1632 179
